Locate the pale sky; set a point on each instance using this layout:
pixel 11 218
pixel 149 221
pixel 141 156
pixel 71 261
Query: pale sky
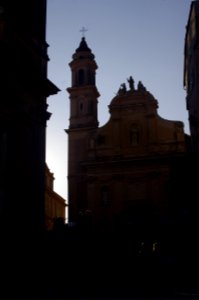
pixel 139 38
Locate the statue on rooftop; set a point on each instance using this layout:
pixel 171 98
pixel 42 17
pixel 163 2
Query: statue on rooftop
pixel 122 89
pixel 131 83
pixel 141 87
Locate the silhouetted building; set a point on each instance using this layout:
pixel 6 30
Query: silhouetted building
pixel 23 115
pixel 54 204
pixel 191 84
pixel 191 72
pixel 121 172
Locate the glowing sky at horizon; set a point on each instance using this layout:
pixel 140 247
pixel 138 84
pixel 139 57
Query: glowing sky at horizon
pixel 139 38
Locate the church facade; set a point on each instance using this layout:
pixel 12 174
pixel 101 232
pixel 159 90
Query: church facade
pixel 119 175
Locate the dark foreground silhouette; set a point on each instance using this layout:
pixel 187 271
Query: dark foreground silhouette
pixel 76 264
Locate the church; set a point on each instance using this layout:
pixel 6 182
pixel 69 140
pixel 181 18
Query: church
pixel 119 175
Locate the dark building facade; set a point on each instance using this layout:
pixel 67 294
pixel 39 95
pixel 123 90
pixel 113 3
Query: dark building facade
pixel 191 84
pixel 120 174
pixel 191 72
pixel 23 115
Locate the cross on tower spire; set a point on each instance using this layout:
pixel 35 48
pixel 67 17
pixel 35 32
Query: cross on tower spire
pixel 83 30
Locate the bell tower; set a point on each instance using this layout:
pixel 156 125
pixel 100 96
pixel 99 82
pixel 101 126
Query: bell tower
pixel 83 95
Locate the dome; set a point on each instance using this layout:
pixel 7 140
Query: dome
pixel 126 98
pixel 83 51
pixel 83 46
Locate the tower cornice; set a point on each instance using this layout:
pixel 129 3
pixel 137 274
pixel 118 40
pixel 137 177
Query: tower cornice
pixel 86 89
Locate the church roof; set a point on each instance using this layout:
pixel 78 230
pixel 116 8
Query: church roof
pixel 128 97
pixel 83 51
pixel 83 47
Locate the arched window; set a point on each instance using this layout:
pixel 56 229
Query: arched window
pixel 81 77
pixel 91 77
pixel 134 135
